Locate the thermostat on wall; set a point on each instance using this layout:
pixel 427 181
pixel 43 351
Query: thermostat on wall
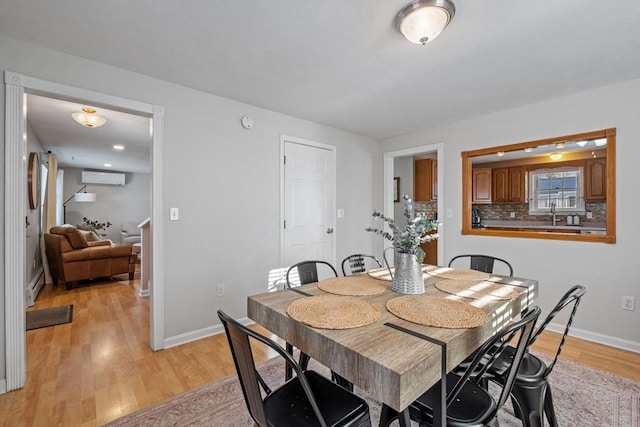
pixel 247 122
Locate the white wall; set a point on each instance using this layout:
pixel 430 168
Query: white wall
pixel 607 270
pixel 225 180
pixel 403 168
pixel 33 257
pixel 114 203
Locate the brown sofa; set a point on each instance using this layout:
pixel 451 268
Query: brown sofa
pixel 77 255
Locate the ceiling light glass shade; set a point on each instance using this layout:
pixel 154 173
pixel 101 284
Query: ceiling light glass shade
pixel 421 21
pixel 582 143
pixel 84 197
pixel 601 142
pixel 88 118
pixel 555 156
pixel 529 149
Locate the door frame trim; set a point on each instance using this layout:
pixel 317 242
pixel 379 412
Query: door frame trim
pixel 332 150
pixel 388 190
pixel 17 86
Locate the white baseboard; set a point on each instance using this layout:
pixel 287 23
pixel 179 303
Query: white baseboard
pixel 558 328
pixel 32 289
pixel 597 338
pixel 3 386
pixel 199 334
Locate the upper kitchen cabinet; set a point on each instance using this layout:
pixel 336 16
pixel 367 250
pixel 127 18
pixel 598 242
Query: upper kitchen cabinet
pixel 481 187
pixel 595 173
pixel 509 185
pixel 425 180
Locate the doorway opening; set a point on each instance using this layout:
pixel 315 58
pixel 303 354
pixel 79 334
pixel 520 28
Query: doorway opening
pixel 394 160
pixel 16 87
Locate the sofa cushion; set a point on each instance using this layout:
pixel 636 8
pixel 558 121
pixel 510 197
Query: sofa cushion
pixel 97 252
pixel 75 236
pixel 90 235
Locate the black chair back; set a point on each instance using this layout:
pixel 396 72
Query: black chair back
pixel 307 272
pixel 483 263
pixel 250 380
pixel 572 296
pixel 356 263
pixel 493 348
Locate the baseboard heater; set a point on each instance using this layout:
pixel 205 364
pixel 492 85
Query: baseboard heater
pixel 34 286
pixel 107 178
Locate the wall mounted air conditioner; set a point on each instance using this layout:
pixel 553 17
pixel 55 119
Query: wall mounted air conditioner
pixel 108 178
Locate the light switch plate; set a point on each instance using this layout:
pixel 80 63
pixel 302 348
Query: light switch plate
pixel 174 214
pixel 340 213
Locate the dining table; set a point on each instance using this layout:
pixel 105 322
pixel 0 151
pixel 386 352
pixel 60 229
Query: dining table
pixel 393 346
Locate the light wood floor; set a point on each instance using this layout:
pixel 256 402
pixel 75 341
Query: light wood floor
pixel 100 367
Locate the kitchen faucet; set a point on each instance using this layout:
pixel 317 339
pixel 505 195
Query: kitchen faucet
pixel 553 211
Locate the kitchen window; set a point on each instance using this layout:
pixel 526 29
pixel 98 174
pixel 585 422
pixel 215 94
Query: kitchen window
pixel 560 189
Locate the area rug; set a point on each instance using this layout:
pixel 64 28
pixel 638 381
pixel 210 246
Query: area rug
pixel 49 317
pixel 583 397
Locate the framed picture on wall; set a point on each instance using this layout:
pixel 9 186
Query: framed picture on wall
pixel 396 189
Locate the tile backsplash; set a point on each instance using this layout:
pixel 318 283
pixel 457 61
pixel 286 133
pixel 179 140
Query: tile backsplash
pixel 502 212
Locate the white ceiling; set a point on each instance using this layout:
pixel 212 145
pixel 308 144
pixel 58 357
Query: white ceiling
pixel 341 62
pixel 81 147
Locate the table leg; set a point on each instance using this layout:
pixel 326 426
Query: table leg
pixel 404 419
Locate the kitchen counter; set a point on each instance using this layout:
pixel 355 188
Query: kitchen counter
pixel 585 228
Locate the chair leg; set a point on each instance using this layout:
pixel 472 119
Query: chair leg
pixel 549 411
pixel 341 381
pixel 530 404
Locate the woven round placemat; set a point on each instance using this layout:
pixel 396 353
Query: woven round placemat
pixel 477 289
pixel 352 285
pixel 458 273
pixel 380 273
pixel 438 312
pixel 333 311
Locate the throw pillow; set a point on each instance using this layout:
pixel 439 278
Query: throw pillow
pixel 73 235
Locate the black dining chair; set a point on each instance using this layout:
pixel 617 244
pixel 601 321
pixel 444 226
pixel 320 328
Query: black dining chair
pixel 531 393
pixel 468 404
pixel 299 274
pixel 307 272
pixel 359 263
pixel 483 263
pixel 308 399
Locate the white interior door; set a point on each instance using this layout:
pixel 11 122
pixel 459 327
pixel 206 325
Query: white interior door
pixel 308 202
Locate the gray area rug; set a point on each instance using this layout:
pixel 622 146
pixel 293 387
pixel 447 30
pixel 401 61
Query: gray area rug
pixel 49 317
pixel 583 397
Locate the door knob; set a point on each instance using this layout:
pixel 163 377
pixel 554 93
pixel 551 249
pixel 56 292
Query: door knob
pixel 329 230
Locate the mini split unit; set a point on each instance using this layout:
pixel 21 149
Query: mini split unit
pixel 106 178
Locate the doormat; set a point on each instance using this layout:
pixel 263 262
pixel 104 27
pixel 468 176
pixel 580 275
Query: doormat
pixel 49 317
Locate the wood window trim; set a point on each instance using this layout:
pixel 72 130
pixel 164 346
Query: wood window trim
pixel 608 237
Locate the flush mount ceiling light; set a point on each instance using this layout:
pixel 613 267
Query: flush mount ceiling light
pixel 500 153
pixel 421 21
pixel 88 118
pixel 529 149
pixel 555 156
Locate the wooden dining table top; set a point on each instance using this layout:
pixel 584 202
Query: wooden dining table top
pixel 393 366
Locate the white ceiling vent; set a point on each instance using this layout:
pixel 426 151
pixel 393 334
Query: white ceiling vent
pixel 107 178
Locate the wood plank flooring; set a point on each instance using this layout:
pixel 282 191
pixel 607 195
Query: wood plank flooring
pixel 100 367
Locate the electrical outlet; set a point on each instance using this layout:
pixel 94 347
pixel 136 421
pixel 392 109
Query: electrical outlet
pixel 589 215
pixel 628 303
pixel 512 214
pixel 220 289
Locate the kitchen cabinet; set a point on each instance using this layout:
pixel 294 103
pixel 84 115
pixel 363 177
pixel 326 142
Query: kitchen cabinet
pixel 431 251
pixel 509 185
pixel 425 180
pixel 481 185
pixel 595 182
